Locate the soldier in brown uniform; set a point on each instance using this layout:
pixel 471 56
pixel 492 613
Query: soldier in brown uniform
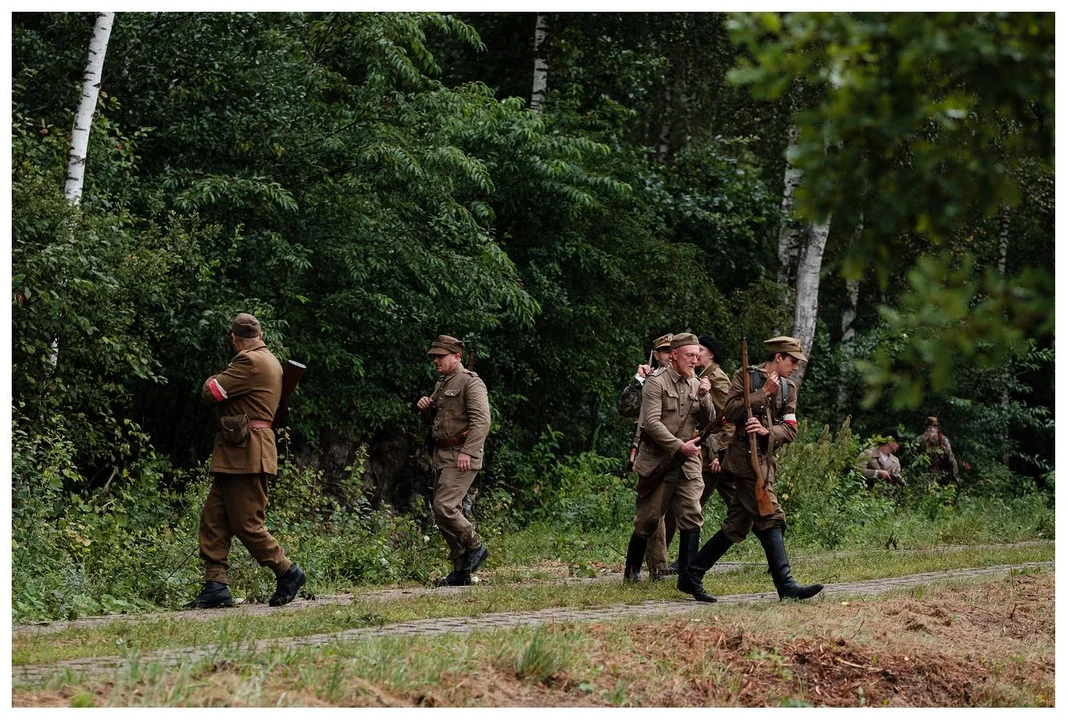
pixel 935 445
pixel 459 412
pixel 711 353
pixel 880 463
pixel 674 402
pixel 247 393
pixel 774 404
pixel 630 401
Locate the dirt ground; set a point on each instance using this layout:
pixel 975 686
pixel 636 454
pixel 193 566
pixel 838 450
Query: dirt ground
pixel 977 644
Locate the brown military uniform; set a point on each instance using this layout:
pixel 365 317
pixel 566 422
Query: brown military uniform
pixel 870 462
pixel 671 411
pixel 461 422
pixel 781 420
pixel 237 502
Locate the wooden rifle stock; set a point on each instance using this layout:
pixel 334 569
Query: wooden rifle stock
pixel 763 500
pixel 291 375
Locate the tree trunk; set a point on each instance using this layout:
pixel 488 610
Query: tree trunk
pixel 849 316
pixel 808 290
pixel 83 123
pixel 83 119
pixel 541 64
pixel 663 141
pixel 1003 241
pixel 792 232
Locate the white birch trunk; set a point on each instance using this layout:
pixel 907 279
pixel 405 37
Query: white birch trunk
pixel 1003 241
pixel 849 316
pixel 791 234
pixel 83 119
pixel 663 146
pixel 808 290
pixel 541 64
pixel 83 123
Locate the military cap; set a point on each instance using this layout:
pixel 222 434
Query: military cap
pixel 663 342
pixel 245 326
pixel 683 339
pixel 445 345
pixel 931 420
pixel 883 439
pixel 785 345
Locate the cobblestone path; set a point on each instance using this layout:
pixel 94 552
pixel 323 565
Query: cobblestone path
pixel 94 667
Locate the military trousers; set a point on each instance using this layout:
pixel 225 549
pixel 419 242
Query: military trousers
pixel 237 506
pixel 449 490
pixel 677 493
pixel 742 514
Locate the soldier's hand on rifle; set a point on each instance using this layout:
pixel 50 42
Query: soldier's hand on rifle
pixel 644 370
pixel 690 448
pixel 753 425
pixel 883 474
pixel 704 387
pixel 771 386
pixel 463 462
pixel 424 403
pixel 713 467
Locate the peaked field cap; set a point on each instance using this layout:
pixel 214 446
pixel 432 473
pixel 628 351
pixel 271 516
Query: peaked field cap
pixel 663 342
pixel 245 326
pixel 683 339
pixel 931 420
pixel 787 346
pixel 445 345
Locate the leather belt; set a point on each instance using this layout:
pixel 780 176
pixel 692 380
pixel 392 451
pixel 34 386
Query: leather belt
pixel 452 442
pixel 260 424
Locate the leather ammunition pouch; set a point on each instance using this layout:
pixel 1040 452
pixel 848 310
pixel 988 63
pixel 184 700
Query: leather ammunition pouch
pixel 452 442
pixel 233 429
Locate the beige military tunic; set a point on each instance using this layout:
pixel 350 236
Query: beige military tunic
pixel 461 422
pixel 671 411
pixel 742 515
pixel 870 462
pixel 236 504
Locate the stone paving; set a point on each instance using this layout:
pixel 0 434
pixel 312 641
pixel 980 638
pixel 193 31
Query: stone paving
pixel 102 666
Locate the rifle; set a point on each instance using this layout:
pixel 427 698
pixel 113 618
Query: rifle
pixel 764 504
pixel 648 483
pixel 291 375
pixel 636 441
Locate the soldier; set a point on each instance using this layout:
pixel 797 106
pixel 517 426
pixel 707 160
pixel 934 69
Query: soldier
pixel 935 446
pixel 458 410
pixel 774 404
pixel 674 402
pixel 715 446
pixel 880 463
pixel 245 456
pixel 630 405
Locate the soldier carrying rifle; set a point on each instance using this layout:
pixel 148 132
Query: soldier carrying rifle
pixel 763 424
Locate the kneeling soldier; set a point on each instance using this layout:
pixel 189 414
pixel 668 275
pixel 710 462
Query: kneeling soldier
pixel 774 422
pixel 674 402
pixel 459 412
pixel 245 456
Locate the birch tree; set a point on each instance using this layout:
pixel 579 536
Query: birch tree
pixel 792 230
pixel 83 118
pixel 541 63
pixel 83 123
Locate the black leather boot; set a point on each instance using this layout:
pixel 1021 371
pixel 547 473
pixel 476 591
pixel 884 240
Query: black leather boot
pixel 455 578
pixel 775 550
pixel 691 576
pixel 632 570
pixel 288 583
pixel 213 595
pixel 473 558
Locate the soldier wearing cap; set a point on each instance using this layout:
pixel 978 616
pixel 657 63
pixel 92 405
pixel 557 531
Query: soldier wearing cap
pixel 459 413
pixel 880 462
pixel 247 395
pixel 674 403
pixel 715 446
pixel 630 405
pixel 935 445
pixel 773 401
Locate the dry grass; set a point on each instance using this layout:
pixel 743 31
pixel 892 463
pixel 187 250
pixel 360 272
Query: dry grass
pixel 977 643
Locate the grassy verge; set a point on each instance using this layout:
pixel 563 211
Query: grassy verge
pixel 496 595
pixel 986 642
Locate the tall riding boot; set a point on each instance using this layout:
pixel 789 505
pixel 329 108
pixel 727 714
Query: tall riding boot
pixel 775 551
pixel 690 577
pixel 632 570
